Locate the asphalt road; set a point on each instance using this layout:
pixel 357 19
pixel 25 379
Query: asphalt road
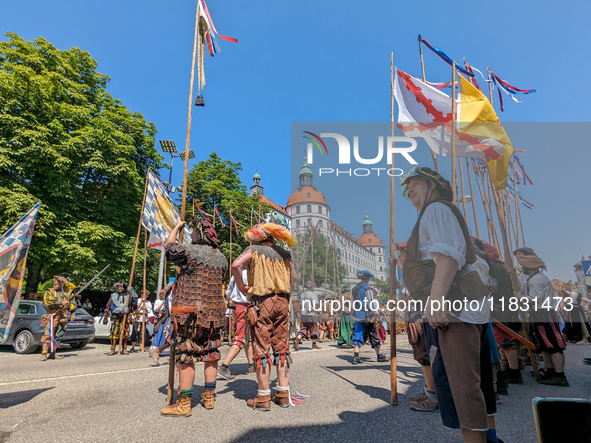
pixel 88 396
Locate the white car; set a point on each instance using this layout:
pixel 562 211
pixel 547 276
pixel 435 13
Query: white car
pixel 102 331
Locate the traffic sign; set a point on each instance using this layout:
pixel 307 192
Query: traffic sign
pixel 586 264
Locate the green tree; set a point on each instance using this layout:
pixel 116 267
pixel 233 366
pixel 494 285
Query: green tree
pixel 66 142
pixel 217 182
pixel 322 267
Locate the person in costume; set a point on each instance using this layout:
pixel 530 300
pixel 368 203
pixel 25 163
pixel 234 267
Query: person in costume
pixel 162 329
pixel 198 310
pixel 440 251
pixel 547 335
pixel 121 307
pixel 309 318
pixel 364 317
pixel 60 310
pixel 144 306
pixel 240 302
pixel 271 275
pixel 346 323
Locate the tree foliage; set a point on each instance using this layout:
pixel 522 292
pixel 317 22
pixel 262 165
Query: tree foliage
pixel 68 143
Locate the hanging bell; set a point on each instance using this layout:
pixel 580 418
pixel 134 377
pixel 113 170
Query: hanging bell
pixel 199 101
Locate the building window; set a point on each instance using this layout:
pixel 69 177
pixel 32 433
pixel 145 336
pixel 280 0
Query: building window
pixel 320 209
pixel 297 209
pixel 297 223
pixel 309 208
pixel 320 223
pixel 380 258
pixel 370 240
pixel 380 268
pixel 308 195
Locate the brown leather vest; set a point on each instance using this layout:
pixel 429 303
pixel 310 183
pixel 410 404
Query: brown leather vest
pixel 419 274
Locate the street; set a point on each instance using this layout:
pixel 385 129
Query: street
pixel 88 396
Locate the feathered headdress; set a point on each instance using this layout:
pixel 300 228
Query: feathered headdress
pixel 265 230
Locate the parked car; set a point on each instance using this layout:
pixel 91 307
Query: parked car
pixel 26 330
pixel 102 331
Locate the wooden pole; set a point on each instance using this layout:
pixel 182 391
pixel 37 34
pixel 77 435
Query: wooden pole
pixel 325 266
pixel 392 327
pixel 510 218
pixel 517 211
pixel 462 189
pixel 490 240
pixel 231 237
pixel 473 199
pixel 433 155
pixel 312 247
pixel 170 394
pixel 453 134
pixel 144 291
pixel 137 241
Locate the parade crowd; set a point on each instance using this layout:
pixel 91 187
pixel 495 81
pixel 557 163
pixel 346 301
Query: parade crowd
pixel 468 356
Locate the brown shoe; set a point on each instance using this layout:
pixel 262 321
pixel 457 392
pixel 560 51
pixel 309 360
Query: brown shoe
pixel 260 403
pixel 296 344
pixel 156 356
pixel 54 356
pixel 124 352
pixel 112 351
pixel 44 357
pixel 315 346
pixel 418 398
pixel 207 398
pixel 281 398
pixel 182 407
pixel 425 405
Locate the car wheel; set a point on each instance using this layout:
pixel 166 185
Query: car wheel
pixel 78 344
pixel 24 343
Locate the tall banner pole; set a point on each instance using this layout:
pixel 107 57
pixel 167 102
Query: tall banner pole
pixel 433 155
pixel 144 291
pixel 453 134
pixel 170 393
pixel 137 241
pixel 393 282
pixel 473 200
pixel 462 189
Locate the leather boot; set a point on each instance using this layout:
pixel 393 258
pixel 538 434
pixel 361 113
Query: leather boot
pixel 315 346
pixel 207 398
pixel 124 352
pixel 182 407
pixel 260 403
pixel 156 356
pixel 112 351
pixel 281 398
pixel 53 356
pixel 44 356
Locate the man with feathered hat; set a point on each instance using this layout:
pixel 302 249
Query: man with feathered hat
pixel 198 311
pixel 271 274
pixel 58 302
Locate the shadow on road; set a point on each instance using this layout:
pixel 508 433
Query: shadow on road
pixel 16 398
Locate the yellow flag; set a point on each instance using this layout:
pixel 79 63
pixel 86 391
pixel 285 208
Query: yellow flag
pixel 477 117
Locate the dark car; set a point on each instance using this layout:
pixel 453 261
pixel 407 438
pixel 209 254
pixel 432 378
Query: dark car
pixel 26 330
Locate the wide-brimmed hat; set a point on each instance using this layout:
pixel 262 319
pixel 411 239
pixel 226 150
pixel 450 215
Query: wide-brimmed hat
pixel 364 274
pixel 524 251
pixel 442 184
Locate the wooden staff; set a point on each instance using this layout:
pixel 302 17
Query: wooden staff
pixel 506 215
pixel 312 247
pixel 170 394
pixel 453 134
pixel 517 209
pixel 489 192
pixel 433 155
pixel 473 200
pixel 325 266
pixel 490 241
pixel 510 218
pixel 462 188
pixel 393 282
pixel 144 291
pixel 137 241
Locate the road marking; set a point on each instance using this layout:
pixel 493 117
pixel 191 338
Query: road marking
pixel 81 375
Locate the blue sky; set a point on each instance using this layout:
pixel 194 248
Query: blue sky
pixel 329 61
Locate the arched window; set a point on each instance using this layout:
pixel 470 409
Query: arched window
pixel 308 195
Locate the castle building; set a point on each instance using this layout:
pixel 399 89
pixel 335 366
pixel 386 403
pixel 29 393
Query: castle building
pixel 307 206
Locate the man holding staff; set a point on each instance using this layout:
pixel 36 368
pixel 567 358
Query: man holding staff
pixel 198 311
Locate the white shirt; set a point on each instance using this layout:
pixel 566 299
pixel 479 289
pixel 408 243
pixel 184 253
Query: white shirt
pixel 538 287
pixel 440 233
pixel 148 306
pixel 87 305
pixel 234 293
pixel 312 297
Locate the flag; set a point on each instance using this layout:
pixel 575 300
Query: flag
pixel 425 112
pixel 477 118
pixel 235 225
pixel 204 214
pixel 155 242
pixel 443 56
pixel 286 224
pixel 222 220
pixel 160 214
pixel 14 247
pixel 255 216
pixel 511 91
